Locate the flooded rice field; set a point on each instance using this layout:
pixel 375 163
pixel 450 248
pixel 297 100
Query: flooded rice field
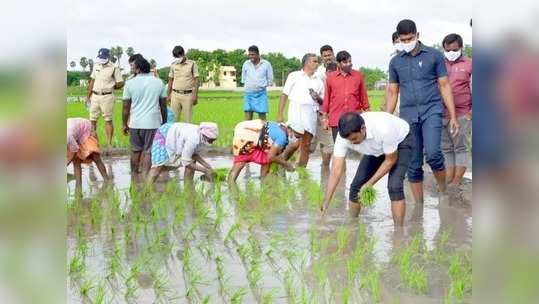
pixel 261 243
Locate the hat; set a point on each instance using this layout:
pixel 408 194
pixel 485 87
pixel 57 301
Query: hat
pixel 209 129
pixel 103 53
pixel 296 127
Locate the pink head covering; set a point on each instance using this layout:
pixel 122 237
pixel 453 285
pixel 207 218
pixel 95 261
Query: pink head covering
pixel 209 129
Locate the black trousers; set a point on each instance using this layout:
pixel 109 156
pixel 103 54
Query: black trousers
pixel 334 132
pixel 369 165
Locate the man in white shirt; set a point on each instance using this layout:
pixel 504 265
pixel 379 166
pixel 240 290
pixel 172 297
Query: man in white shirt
pixel 386 144
pixel 306 93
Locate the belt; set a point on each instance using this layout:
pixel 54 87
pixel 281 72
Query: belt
pixel 102 93
pixel 182 92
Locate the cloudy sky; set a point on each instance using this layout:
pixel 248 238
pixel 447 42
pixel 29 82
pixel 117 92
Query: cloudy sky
pixel 292 27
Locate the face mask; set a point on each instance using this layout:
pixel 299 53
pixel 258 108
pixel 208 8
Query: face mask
pixel 409 46
pixel 398 46
pixel 180 59
pixel 452 55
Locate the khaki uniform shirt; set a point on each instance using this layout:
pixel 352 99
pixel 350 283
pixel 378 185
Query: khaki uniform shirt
pixel 105 77
pixel 183 74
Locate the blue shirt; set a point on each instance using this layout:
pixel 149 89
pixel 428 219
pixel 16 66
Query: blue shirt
pixel 144 91
pixel 417 77
pixel 256 79
pixel 277 135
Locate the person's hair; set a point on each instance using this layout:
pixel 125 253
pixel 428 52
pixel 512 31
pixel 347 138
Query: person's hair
pixel 326 48
pixel 349 123
pixel 342 56
pixel 452 38
pixel 306 57
pixel 405 27
pixel 178 51
pixel 253 48
pixel 394 37
pixel 143 65
pixel 332 66
pixel 134 57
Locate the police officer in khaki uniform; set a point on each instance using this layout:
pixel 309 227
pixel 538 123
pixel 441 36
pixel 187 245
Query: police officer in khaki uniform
pixel 105 78
pixel 182 85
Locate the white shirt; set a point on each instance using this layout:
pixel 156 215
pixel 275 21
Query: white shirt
pixel 384 134
pixel 297 87
pixel 183 140
pixel 321 73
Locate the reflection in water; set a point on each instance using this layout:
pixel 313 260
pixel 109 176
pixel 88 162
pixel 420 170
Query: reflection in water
pixel 293 229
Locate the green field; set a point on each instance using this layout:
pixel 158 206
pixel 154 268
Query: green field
pixel 223 107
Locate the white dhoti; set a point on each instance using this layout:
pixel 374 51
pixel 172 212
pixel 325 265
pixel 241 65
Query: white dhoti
pixel 304 114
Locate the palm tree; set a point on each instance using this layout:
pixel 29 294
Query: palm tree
pixel 129 51
pixel 72 64
pixel 91 64
pixel 119 51
pixel 83 63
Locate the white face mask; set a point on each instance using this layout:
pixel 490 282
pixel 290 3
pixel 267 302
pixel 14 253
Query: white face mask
pixel 452 55
pixel 398 46
pixel 409 46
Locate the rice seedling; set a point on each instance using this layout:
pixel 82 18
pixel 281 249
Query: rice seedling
pixel 371 281
pixel 230 236
pixel 85 288
pixel 76 266
pixel 343 235
pixel 161 287
pixel 412 274
pixel 114 264
pixel 346 294
pixel 460 274
pixel 100 294
pixel 289 286
pixel 320 273
pixel 237 296
pixel 221 174
pixel 269 297
pixel 367 196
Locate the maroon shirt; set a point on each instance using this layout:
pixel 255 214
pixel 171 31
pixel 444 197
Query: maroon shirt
pixel 344 93
pixel 460 79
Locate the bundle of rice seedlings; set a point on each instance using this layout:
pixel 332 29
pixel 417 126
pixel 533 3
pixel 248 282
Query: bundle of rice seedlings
pixel 367 196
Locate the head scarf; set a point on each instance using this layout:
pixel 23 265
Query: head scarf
pixel 209 129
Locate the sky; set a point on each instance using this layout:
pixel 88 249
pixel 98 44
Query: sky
pixel 293 28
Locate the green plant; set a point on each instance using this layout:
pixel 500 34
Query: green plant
pixel 237 296
pixel 367 195
pixel 100 294
pixel 343 235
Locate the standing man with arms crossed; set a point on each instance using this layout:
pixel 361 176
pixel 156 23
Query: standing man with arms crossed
pixel 418 73
pixel 345 91
pixel 144 111
pixel 182 85
pixel 105 78
pixel 256 75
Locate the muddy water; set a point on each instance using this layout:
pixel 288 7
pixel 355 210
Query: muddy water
pixel 277 252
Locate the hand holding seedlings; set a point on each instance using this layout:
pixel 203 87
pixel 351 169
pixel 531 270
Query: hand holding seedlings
pixel 367 194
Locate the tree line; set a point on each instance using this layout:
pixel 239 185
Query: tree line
pixel 208 61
